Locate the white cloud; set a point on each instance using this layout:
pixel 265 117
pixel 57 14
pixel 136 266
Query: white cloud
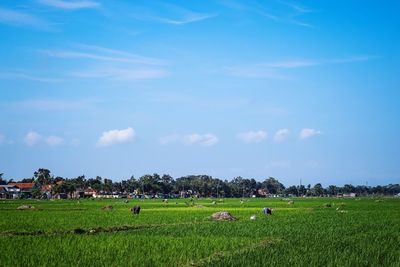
pixel 32 138
pixel 54 140
pixel 190 139
pixel 16 18
pixel 116 136
pixel 252 136
pixel 202 139
pixel 307 133
pixel 69 5
pixel 281 135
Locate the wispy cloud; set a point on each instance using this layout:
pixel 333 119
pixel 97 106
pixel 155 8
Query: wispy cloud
pixel 17 18
pixel 281 135
pixel 69 5
pixel 189 18
pixel 54 140
pixel 172 15
pixel 99 53
pixel 351 59
pixel 275 69
pixel 33 138
pixel 121 74
pixel 308 133
pixel 301 23
pixel 202 139
pixel 113 137
pixel 25 75
pixel 116 64
pixel 254 71
pixel 253 136
pixel 207 139
pixel 290 64
pixel 296 7
pixel 277 11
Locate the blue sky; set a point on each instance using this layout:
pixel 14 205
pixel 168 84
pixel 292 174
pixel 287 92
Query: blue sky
pixel 291 89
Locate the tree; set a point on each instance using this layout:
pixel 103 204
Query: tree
pixel 273 186
pixel 150 183
pixel 236 186
pixel 302 190
pixel 332 190
pixel 166 184
pixel 2 181
pixel 318 190
pixel 42 177
pixel 292 190
pixel 108 185
pixel 348 188
pixel 132 184
pixel 36 193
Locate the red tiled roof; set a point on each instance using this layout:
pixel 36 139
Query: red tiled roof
pixel 23 185
pixel 90 190
pixel 47 187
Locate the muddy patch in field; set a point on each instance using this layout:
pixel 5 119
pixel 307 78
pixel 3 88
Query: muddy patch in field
pixel 95 230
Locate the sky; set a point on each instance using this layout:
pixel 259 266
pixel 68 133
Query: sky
pixel 298 90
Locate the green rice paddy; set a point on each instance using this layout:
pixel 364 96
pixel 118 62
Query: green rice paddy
pixel 311 232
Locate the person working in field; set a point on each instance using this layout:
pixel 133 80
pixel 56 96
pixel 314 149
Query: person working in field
pixel 135 210
pixel 267 211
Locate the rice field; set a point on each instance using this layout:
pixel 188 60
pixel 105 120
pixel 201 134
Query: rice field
pixel 310 232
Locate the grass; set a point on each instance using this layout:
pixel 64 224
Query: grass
pixel 347 232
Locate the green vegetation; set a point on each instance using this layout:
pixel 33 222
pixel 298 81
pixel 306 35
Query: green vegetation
pixel 191 185
pixel 307 232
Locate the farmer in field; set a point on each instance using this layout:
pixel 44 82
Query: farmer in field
pixel 135 209
pixel 267 211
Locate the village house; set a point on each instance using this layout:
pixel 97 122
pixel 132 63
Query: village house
pixel 9 191
pixel 25 189
pixel 346 195
pixel 89 192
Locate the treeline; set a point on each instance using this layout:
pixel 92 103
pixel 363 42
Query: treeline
pixel 200 185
